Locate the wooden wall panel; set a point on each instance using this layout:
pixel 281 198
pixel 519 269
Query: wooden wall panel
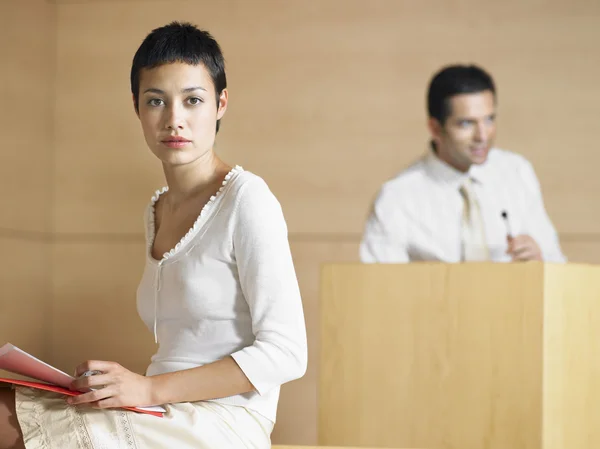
pixel 94 312
pixel 24 299
pixel 26 86
pixel 26 89
pixel 327 101
pixel 582 250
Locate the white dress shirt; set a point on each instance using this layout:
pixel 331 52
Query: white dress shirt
pixel 417 215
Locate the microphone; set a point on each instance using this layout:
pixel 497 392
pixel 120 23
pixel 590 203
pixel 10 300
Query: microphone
pixel 507 223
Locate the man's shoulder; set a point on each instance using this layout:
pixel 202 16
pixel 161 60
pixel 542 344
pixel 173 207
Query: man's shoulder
pixel 404 182
pixel 403 186
pixel 505 159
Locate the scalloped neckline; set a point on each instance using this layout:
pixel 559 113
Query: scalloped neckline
pixel 193 229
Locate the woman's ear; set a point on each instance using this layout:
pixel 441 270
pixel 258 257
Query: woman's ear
pixel 135 106
pixel 222 106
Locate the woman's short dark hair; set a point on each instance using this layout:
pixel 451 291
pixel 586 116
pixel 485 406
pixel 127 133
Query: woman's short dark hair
pixel 179 42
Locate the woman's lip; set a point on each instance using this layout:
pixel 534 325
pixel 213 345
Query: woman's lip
pixel 175 143
pixel 176 139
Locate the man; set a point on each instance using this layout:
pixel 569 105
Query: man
pixel 464 200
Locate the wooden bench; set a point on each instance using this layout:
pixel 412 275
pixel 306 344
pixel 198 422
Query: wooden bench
pixel 322 447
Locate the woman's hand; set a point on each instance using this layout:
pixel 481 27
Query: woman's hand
pixel 114 387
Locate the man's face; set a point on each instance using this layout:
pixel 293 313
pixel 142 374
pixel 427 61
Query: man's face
pixel 469 132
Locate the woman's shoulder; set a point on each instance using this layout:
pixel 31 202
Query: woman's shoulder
pixel 253 195
pixel 250 185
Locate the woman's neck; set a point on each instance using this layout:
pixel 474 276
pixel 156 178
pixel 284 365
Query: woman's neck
pixel 186 181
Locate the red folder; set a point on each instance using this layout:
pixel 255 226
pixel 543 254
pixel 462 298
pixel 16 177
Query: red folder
pixel 19 362
pixel 65 391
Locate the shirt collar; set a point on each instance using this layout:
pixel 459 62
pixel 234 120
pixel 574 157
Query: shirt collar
pixel 445 173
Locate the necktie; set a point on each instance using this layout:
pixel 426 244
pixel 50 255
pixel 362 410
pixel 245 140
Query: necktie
pixel 474 246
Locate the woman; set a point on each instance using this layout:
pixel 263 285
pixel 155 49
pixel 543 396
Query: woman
pixel 219 291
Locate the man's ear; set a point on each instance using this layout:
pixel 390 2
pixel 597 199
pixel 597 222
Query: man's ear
pixel 435 127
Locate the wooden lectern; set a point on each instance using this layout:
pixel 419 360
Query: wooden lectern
pixel 460 356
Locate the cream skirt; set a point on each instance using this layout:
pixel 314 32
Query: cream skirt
pixel 48 422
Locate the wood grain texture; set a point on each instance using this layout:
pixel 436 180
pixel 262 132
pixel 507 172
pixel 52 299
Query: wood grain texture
pixel 431 355
pixel 571 357
pixel 25 282
pixel 27 91
pixel 327 100
pixel 465 356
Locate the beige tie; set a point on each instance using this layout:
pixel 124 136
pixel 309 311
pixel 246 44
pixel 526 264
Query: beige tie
pixel 474 246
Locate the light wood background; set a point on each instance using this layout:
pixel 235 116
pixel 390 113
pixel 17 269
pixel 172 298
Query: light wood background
pixel 327 102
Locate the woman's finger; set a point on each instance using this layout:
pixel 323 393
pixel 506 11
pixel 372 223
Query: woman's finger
pixel 92 396
pixel 87 382
pixel 96 365
pixel 111 402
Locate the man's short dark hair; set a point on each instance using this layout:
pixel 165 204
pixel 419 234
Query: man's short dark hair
pixel 455 80
pixel 179 42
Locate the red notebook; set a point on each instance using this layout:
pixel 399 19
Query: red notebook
pixel 19 362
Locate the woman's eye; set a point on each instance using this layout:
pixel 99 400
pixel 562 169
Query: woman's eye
pixel 195 100
pixel 155 102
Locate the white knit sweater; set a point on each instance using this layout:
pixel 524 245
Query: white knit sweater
pixel 228 288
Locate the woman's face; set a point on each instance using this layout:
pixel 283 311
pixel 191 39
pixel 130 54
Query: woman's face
pixel 179 110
